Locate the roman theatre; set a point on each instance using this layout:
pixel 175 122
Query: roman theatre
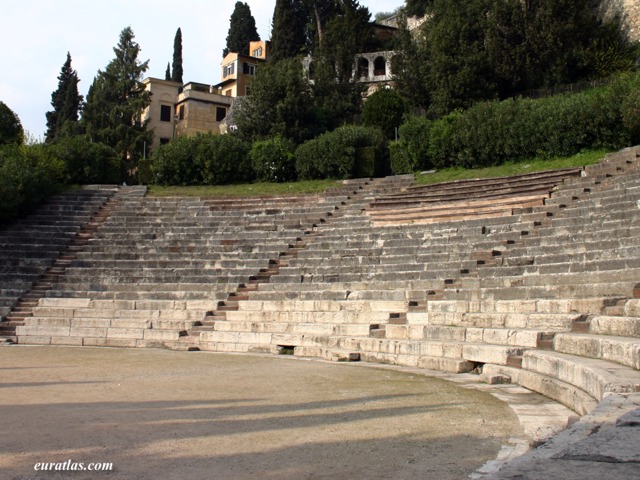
pixel 382 329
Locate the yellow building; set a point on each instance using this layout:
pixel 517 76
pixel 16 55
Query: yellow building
pixel 238 70
pixel 178 110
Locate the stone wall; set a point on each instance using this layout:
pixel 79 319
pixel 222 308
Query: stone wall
pixel 632 10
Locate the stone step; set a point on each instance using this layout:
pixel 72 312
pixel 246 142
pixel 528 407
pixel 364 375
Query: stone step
pixel 621 350
pixel 569 395
pixel 596 377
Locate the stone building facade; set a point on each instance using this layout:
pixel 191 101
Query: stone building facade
pixel 178 110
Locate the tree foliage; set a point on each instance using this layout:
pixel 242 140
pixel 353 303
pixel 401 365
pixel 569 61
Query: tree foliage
pixel 416 8
pixel 385 110
pixel 115 103
pixel 348 32
pixel 483 49
pixel 273 160
pixel 347 152
pixel 242 30
pixel 66 101
pixel 281 103
pixel 289 30
pixel 410 68
pixel 176 76
pixel 11 131
pixel 491 133
pixel 29 175
pixel 204 159
pixel 459 72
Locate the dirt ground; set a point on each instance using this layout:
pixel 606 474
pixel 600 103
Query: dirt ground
pixel 157 414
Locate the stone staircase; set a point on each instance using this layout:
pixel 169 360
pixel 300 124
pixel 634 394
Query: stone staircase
pixel 543 293
pixel 35 251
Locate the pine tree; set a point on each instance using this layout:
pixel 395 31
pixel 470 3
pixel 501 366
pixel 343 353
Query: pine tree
pixel 288 32
pixel 66 101
pixel 242 30
pixel 177 57
pixel 167 74
pixel 115 103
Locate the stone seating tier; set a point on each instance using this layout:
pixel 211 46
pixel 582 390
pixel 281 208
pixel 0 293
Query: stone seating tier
pixel 543 295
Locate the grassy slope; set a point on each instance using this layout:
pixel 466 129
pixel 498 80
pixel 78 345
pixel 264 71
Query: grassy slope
pixel 508 169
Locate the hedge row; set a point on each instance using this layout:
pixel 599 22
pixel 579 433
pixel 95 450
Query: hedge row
pixel 29 175
pixel 347 152
pixel 491 133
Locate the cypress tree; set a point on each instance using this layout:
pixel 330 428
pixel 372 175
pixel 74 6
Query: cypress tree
pixel 288 32
pixel 167 74
pixel 242 30
pixel 177 57
pixel 65 100
pixel 115 103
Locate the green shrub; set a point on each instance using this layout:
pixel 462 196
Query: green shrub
pixel 29 175
pixel 631 115
pixel 204 159
pixel 492 133
pixel 173 163
pixel 224 159
pixel 86 161
pixel 411 152
pixel 273 160
pixel 347 152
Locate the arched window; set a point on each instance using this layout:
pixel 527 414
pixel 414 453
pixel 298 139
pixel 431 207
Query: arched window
pixel 363 68
pixel 379 66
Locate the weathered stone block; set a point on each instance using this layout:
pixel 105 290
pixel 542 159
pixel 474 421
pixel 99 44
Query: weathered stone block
pixel 132 333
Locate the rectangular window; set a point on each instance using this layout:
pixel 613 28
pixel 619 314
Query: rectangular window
pixel 257 53
pixel 181 112
pixel 221 113
pixel 229 70
pixel 249 69
pixel 164 141
pixel 165 113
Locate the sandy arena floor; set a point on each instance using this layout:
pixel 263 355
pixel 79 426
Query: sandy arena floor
pixel 158 414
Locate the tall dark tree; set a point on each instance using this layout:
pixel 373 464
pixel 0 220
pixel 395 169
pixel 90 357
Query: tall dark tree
pixel 344 35
pixel 176 76
pixel 319 13
pixel 167 73
pixel 66 101
pixel 115 104
pixel 416 8
pixel 410 70
pixel 11 131
pixel 289 30
pixel 242 30
pixel 460 72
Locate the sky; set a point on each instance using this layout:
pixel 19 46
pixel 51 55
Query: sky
pixel 38 34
